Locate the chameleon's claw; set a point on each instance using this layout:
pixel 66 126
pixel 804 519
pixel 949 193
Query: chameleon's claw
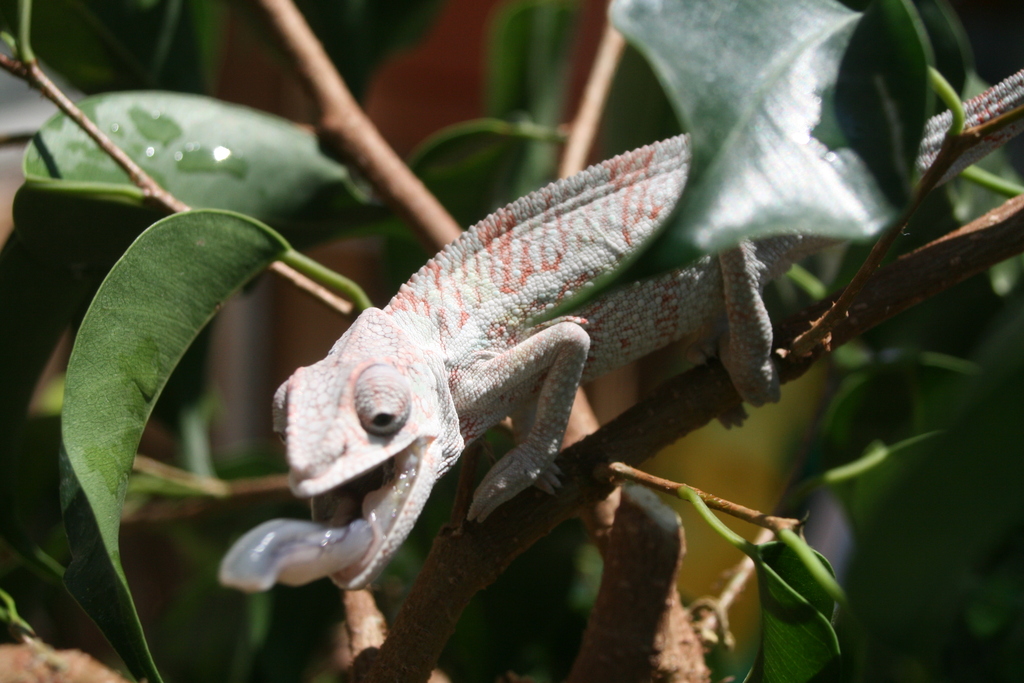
pixel 507 478
pixel 549 480
pixel 733 417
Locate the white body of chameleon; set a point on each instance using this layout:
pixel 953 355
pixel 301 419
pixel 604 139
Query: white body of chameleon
pixel 372 426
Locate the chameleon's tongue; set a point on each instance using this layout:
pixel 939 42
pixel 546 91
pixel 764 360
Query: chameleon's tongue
pixel 293 552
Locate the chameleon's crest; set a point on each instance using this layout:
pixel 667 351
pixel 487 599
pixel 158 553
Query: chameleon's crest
pixel 364 432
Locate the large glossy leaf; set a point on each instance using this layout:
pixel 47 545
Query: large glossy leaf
pixel 208 154
pixel 797 639
pixel 37 302
pixel 803 115
pixel 147 312
pixel 99 46
pixel 944 507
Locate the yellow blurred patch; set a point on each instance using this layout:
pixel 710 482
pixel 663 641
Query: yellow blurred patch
pixel 748 465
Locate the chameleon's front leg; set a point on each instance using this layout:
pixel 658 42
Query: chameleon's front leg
pixel 555 356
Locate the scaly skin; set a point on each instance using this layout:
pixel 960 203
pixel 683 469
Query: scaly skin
pixel 455 350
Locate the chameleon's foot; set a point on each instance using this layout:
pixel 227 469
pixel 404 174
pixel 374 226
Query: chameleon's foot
pixel 550 479
pixel 733 417
pixel 516 472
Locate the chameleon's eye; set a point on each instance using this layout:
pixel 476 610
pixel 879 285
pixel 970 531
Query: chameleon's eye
pixel 382 399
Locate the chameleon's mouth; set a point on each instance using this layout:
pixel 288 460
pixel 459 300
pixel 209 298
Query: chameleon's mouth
pixel 351 524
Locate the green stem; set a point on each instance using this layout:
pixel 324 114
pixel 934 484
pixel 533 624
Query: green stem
pixel 25 53
pixel 536 132
pixel 194 439
pixel 686 493
pixel 990 181
pixel 950 98
pixel 806 281
pixel 317 272
pixel 9 613
pixel 874 455
pixel 818 570
pixel 9 40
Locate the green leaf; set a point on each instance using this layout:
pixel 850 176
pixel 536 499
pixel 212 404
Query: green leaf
pixel 797 639
pixel 803 116
pixel 528 67
pixel 953 56
pixel 951 505
pixel 358 35
pixel 37 302
pixel 147 312
pixel 207 153
pixel 528 59
pixel 471 166
pixel 99 46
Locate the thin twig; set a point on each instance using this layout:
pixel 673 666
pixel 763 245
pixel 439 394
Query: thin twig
pixel 953 148
pixel 713 627
pixel 347 129
pixel 16 139
pixel 240 493
pixel 153 193
pixel 583 129
pixel 619 470
pixel 314 289
pixel 210 486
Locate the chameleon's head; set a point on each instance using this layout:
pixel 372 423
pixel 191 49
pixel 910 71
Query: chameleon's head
pixel 368 430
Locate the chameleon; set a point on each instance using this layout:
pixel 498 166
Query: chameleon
pixel 371 427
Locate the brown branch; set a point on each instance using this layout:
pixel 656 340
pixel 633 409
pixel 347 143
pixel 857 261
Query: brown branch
pixel 633 634
pixel 347 129
pixel 464 560
pixel 37 661
pixel 619 470
pixel 363 634
pixel 583 128
pixel 599 518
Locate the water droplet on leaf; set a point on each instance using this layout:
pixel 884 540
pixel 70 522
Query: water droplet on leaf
pixel 157 128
